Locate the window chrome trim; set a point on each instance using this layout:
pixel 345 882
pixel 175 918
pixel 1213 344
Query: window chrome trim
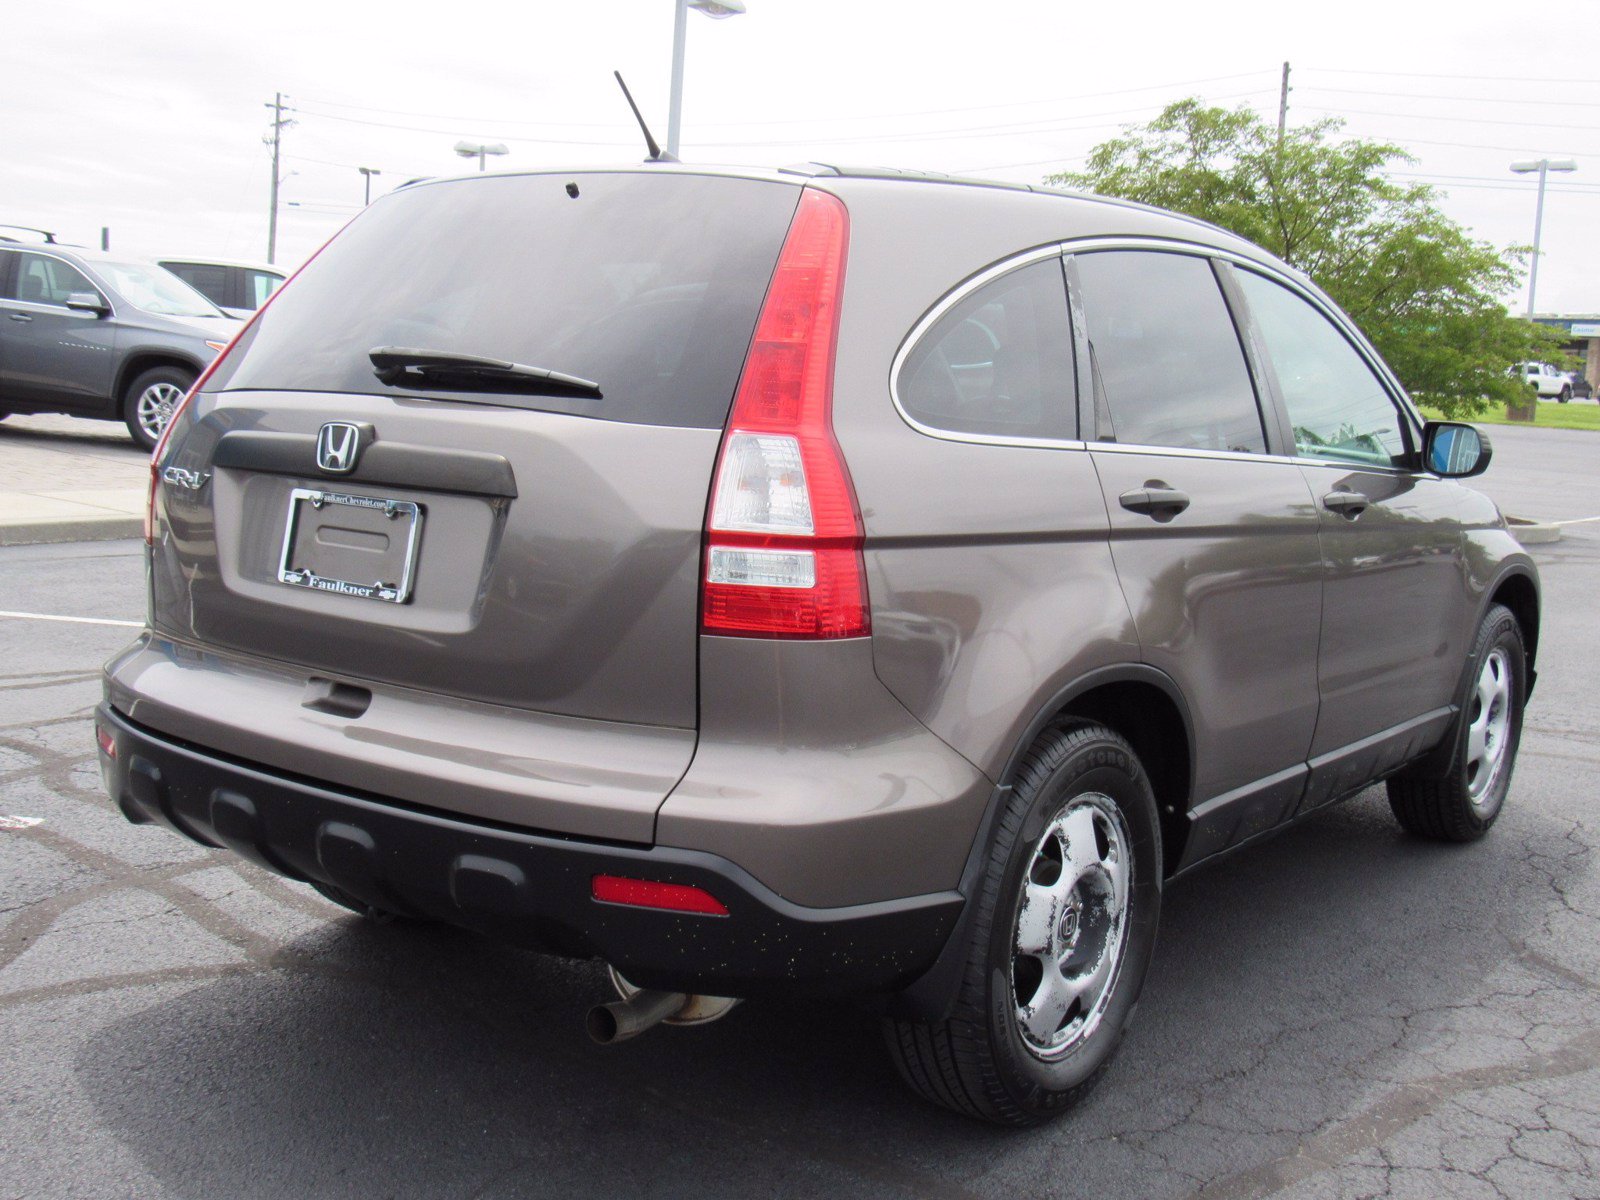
pixel 1298 285
pixel 1278 274
pixel 948 301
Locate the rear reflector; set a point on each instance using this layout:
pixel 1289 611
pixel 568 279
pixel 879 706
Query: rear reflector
pixel 108 744
pixel 645 893
pixel 783 534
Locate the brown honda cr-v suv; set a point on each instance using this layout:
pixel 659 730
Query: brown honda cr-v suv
pixel 810 582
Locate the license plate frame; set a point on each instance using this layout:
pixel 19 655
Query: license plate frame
pixel 317 500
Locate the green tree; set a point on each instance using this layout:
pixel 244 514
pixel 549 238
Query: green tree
pixel 1418 284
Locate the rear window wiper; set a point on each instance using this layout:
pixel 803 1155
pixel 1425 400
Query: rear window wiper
pixel 446 371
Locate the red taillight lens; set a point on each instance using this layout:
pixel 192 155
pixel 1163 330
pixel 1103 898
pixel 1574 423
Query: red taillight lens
pixel 645 893
pixel 108 744
pixel 783 534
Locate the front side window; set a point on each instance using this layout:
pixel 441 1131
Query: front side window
pixel 156 290
pixel 999 363
pixel 1338 407
pixel 1167 364
pixel 45 280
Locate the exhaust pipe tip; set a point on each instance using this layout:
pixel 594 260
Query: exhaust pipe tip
pixel 623 1019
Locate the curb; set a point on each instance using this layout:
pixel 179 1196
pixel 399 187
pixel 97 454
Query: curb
pixel 70 529
pixel 1533 533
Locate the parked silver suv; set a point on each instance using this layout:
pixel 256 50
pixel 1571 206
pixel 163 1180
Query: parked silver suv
pixel 96 335
pixel 810 582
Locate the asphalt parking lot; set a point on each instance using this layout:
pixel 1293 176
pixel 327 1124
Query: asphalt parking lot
pixel 1343 1012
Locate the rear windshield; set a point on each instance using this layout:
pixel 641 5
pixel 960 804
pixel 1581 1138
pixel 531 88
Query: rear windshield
pixel 649 285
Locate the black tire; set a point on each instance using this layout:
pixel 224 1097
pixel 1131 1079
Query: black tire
pixel 1566 394
pixel 1461 804
pixel 378 916
pixel 149 390
pixel 978 1061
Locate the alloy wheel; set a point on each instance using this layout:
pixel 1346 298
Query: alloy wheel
pixel 1072 926
pixel 1489 725
pixel 155 407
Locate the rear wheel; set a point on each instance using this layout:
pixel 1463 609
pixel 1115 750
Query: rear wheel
pixel 1461 804
pixel 1566 394
pixel 150 401
pixel 1061 936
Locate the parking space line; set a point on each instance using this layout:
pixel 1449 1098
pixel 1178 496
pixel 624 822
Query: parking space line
pixel 27 616
pixel 1576 521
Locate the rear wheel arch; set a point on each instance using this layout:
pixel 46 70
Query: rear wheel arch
pixel 1145 706
pixel 1137 702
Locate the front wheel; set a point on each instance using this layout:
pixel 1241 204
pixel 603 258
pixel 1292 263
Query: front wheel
pixel 1060 938
pixel 150 401
pixel 1461 804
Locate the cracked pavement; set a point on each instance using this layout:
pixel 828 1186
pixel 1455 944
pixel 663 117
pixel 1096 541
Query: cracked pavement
pixel 1342 1012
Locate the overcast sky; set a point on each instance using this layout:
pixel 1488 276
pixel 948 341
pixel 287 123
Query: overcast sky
pixel 149 117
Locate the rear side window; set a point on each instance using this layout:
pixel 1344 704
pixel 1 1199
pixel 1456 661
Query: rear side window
pixel 999 362
pixel 1168 368
pixel 44 280
pixel 647 284
pixel 258 285
pixel 210 280
pixel 1336 404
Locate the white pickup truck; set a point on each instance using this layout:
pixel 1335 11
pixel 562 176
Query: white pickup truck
pixel 1548 381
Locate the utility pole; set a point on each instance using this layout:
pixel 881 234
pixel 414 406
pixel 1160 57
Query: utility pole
pixel 279 124
pixel 1283 104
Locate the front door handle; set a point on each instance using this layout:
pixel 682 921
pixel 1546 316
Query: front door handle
pixel 21 316
pixel 1155 499
pixel 1347 504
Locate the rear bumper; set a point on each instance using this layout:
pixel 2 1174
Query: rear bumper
pixel 524 887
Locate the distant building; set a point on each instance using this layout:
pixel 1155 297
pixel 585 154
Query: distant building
pixel 1583 333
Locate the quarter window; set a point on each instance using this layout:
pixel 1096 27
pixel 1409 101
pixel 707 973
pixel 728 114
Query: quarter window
pixel 1168 367
pixel 42 280
pixel 999 362
pixel 1338 407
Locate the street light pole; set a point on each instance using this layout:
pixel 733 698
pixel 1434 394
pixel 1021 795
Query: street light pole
pixel 716 9
pixel 1544 166
pixel 368 173
pixel 480 150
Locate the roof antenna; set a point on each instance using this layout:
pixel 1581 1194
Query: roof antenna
pixel 656 154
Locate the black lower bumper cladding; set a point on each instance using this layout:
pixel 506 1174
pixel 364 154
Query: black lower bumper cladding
pixel 527 888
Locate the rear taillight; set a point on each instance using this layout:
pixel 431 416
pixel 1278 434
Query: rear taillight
pixel 783 534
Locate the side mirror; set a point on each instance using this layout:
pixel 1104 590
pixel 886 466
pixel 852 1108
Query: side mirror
pixel 1453 450
pixel 88 302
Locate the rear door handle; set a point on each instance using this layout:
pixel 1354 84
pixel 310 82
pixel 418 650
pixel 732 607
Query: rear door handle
pixel 1154 499
pixel 21 316
pixel 1347 504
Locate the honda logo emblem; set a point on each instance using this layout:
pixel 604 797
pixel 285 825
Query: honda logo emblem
pixel 337 447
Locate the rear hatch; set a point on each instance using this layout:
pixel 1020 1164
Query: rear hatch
pixel 521 541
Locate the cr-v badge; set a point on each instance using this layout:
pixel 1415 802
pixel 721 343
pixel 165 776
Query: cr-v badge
pixel 337 446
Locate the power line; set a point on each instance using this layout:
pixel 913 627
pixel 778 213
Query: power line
pixel 1312 87
pixel 1428 75
pixel 1153 87
pixel 1372 112
pixel 1040 125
